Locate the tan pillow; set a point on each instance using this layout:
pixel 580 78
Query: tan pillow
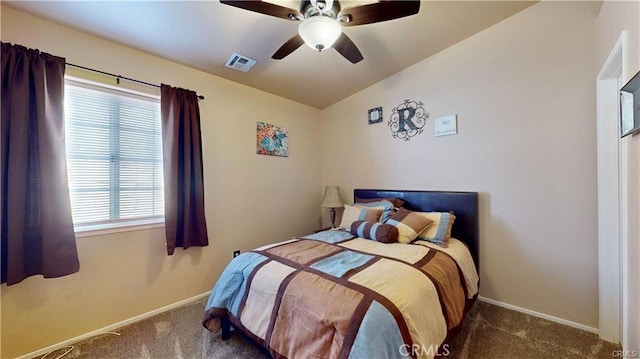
pixel 352 214
pixel 440 232
pixel 409 224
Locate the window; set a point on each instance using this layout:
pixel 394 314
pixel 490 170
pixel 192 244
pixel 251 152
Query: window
pixel 114 156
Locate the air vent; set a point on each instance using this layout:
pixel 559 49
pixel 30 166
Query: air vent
pixel 240 62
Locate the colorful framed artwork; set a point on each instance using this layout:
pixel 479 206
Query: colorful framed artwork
pixel 272 140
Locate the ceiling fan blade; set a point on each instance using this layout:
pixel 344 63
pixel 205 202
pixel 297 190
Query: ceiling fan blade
pixel 290 46
pixel 348 49
pixel 265 8
pixel 378 12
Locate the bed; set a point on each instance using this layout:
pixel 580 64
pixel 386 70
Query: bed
pixel 340 294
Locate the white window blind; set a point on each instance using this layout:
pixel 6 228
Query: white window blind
pixel 114 155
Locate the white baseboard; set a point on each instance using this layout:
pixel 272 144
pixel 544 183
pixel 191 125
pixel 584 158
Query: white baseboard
pixel 540 315
pixel 111 327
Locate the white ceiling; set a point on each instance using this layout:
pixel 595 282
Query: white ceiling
pixel 203 34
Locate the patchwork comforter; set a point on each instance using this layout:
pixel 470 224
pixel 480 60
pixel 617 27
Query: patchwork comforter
pixel 332 295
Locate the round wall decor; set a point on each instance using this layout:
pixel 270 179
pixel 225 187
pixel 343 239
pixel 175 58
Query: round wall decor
pixel 407 119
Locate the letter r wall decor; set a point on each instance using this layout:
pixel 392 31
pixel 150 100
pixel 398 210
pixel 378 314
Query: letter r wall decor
pixel 407 119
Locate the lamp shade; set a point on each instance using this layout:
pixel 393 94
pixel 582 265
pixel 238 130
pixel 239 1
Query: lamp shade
pixel 319 32
pixel 331 198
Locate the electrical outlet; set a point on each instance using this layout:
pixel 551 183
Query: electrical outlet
pixel 236 253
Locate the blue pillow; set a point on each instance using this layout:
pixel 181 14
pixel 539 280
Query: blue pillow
pixel 386 206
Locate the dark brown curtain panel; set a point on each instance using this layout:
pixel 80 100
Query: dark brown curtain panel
pixel 37 230
pixel 183 179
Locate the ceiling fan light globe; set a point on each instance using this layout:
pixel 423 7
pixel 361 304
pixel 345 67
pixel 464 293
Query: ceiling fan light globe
pixel 319 32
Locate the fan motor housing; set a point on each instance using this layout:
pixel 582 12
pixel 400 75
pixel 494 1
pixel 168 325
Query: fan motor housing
pixel 308 10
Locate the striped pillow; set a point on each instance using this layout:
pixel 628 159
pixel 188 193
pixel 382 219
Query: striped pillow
pixel 386 206
pixel 379 232
pixel 409 224
pixel 397 202
pixel 440 232
pixel 352 214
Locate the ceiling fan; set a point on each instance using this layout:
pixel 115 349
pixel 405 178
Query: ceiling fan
pixel 321 22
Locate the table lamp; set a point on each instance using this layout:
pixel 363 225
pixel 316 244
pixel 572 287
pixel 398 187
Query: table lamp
pixel 332 200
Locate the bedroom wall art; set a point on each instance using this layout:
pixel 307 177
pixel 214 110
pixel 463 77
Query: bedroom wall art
pixel 272 140
pixel 630 107
pixel 445 126
pixel 407 119
pixel 375 115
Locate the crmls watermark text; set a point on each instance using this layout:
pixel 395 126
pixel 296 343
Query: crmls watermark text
pixel 625 353
pixel 421 350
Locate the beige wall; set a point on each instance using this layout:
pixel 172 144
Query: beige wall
pixel 524 92
pixel 615 17
pixel 250 199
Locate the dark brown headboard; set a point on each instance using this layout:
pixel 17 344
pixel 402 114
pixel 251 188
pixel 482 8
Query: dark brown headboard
pixel 464 204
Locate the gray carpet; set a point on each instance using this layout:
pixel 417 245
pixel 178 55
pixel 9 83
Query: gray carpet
pixel 488 332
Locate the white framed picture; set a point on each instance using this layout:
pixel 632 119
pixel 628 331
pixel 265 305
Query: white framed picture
pixel 446 125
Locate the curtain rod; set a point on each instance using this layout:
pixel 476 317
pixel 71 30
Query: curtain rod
pixel 118 77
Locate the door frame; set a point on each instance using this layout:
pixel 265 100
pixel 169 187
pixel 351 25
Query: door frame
pixel 612 197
